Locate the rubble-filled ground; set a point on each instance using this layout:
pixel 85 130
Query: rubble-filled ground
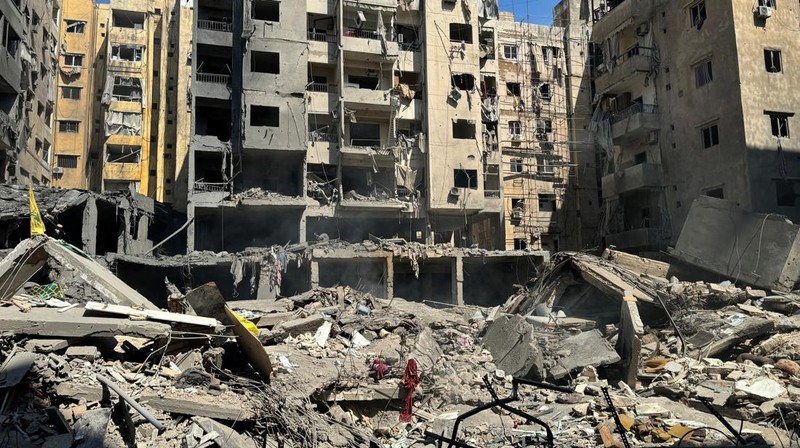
pixel 598 351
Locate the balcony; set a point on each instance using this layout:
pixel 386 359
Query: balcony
pixel 637 238
pixel 215 25
pixel 322 47
pixel 322 98
pixel 10 70
pixel 212 85
pixel 368 42
pixel 367 98
pixel 630 69
pixel 610 20
pixel 359 148
pixel 642 176
pixel 5 136
pixel 210 192
pixel 634 123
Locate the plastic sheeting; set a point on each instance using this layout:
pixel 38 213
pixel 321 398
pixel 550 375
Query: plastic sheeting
pixel 123 123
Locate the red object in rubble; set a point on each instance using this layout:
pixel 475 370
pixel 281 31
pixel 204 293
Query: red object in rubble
pixel 410 381
pixel 380 368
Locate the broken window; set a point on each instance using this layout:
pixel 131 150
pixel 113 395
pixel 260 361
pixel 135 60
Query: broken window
pixel 461 32
pixel 543 165
pixel 546 92
pixel 780 124
pixel 364 82
pixel 514 128
pixel 127 19
pixel 516 165
pixel 640 158
pixel 463 81
pixel 127 89
pixel 772 61
pixel 365 134
pixel 464 129
pixel 73 60
pixel 520 244
pixel 465 179
pixel 265 62
pixel 69 127
pixel 513 89
pixel 265 116
pixel 510 52
pixel 703 73
pixel 130 53
pixel 785 193
pixel 71 93
pixel 718 192
pixel 768 3
pixel 547 202
pixel 75 26
pixel 544 129
pixel 697 14
pixel 123 154
pixel 549 54
pixel 123 123
pixel 66 161
pixel 268 10
pixel 710 136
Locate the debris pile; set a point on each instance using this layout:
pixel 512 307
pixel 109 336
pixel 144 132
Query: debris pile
pixel 610 351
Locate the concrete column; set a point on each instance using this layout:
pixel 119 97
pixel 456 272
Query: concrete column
pixel 314 270
pixel 388 272
pixel 190 230
pixel 458 280
pixel 89 226
pixel 302 237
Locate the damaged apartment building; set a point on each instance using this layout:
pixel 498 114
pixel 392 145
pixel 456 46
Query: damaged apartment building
pixel 28 63
pixel 116 103
pixel 694 98
pixel 435 122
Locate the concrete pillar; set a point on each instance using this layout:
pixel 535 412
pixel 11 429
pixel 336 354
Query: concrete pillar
pixel 458 280
pixel 190 229
pixel 314 270
pixel 266 290
pixel 302 237
pixel 388 272
pixel 89 226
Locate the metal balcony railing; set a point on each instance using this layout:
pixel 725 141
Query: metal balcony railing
pixel 213 78
pixel 214 25
pixel 636 108
pixel 322 88
pixel 321 36
pixel 210 186
pixel 491 194
pixel 631 53
pixel 363 34
pixel 322 136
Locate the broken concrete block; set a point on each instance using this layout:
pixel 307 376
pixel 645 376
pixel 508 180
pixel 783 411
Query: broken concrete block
pixel 90 430
pixel 755 294
pixel 192 359
pixel 46 345
pixel 761 388
pixel 77 392
pixel 84 352
pixel 228 437
pixel 300 326
pixel 511 341
pixel 584 349
pixel 426 350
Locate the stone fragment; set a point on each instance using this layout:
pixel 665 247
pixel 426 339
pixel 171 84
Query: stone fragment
pixel 87 353
pixel 762 388
pixel 511 341
pixel 589 348
pixel 45 345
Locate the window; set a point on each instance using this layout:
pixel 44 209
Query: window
pixel 127 89
pixel 785 193
pixel 697 14
pixel 543 165
pixel 516 165
pixel 546 92
pixel 547 202
pixel 71 93
pixel 66 161
pixel 265 116
pixel 770 3
pixel 268 10
pixel 510 52
pixel 780 124
pixel 461 32
pixel 75 26
pixel 127 19
pixel 513 89
pixel 717 192
pixel 463 81
pixel 123 123
pixel 464 129
pixel 265 62
pixel 772 61
pixel 544 127
pixel 514 128
pixel 703 73
pixel 465 179
pixel 73 60
pixel 130 53
pixel 123 154
pixel 46 151
pixel 549 54
pixel 69 127
pixel 710 136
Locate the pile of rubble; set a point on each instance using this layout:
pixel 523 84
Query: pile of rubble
pixel 608 351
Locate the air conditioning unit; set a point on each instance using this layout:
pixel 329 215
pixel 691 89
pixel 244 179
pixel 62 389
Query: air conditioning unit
pixel 643 29
pixel 764 12
pixel 58 170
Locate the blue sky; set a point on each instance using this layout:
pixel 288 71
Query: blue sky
pixel 533 11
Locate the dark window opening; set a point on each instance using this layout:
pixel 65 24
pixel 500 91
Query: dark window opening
pixel 520 244
pixel 265 62
pixel 768 3
pixel 123 154
pixel 772 61
pixel 640 158
pixel 780 124
pixel 547 202
pixel 461 32
pixel 718 193
pixel 697 14
pixel 127 19
pixel 516 165
pixel 463 81
pixel 265 116
pixel 365 134
pixel 69 127
pixel 75 26
pixel 513 89
pixel 546 92
pixel 71 93
pixel 66 161
pixel 710 136
pixel 703 73
pixel 785 193
pixel 127 89
pixel 73 60
pixel 268 10
pixel 465 179
pixel 130 53
pixel 463 129
pixel 364 82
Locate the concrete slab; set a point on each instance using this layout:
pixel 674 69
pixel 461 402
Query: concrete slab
pixel 511 341
pixel 46 345
pixel 73 324
pixel 232 408
pixel 585 349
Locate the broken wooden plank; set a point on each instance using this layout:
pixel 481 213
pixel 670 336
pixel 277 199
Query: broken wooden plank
pixel 163 316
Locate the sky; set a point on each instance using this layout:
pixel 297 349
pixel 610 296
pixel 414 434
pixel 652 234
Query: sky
pixel 533 11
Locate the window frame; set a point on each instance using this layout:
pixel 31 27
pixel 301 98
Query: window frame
pixel 68 22
pixel 775 119
pixel 515 125
pixel 697 22
pixel 769 55
pixel 706 67
pixel 67 128
pixel 73 56
pixel 70 89
pixel 65 157
pixel 713 135
pixel 506 52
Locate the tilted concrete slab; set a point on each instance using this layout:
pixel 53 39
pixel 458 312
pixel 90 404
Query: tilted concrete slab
pixel 73 324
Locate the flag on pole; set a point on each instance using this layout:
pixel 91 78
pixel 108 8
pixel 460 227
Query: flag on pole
pixel 37 225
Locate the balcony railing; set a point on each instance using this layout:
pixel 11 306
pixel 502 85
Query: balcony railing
pixel 365 142
pixel 213 78
pixel 631 53
pixel 322 88
pixel 363 34
pixel 214 25
pixel 636 108
pixel 210 186
pixel 323 136
pixel 321 36
pixel 491 194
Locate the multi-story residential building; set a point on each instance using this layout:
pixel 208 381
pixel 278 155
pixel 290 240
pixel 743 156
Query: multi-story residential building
pixel 28 53
pixel 115 117
pixel 694 98
pixel 358 118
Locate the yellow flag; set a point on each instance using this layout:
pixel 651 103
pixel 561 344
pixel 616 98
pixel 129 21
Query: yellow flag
pixel 37 225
